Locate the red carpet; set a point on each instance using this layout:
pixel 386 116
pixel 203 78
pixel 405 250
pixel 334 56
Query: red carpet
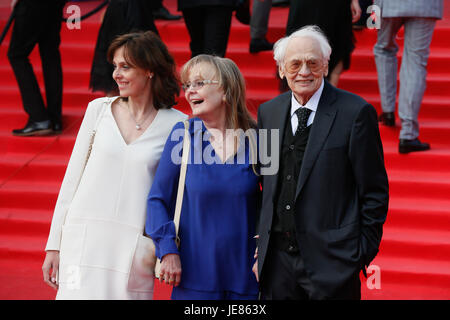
pixel 414 258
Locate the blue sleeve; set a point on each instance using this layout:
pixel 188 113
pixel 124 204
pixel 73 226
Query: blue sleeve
pixel 162 196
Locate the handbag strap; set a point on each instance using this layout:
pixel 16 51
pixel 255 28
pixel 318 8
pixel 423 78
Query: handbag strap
pixel 91 142
pixel 94 131
pixel 181 181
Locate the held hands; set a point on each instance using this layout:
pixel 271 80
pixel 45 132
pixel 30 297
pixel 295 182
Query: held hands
pixel 50 268
pixel 170 269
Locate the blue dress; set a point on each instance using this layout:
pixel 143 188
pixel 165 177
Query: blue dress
pixel 218 215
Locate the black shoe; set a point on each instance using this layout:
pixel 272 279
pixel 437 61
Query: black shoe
pixel 163 14
pixel 57 127
pixel 406 146
pixel 34 129
pixel 257 45
pixel 387 118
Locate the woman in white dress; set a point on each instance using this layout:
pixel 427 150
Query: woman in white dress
pixel 95 245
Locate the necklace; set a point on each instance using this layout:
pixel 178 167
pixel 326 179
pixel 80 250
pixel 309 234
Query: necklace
pixel 138 125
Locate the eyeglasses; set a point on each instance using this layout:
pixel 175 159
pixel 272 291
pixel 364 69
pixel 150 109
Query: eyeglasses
pixel 295 66
pixel 196 85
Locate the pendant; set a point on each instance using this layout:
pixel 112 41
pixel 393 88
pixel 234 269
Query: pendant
pixel 138 127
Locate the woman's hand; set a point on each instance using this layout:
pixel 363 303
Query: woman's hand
pixel 170 269
pixel 50 268
pixel 356 10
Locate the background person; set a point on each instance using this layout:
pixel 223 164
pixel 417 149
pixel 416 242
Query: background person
pixel 38 22
pixel 259 23
pixel 418 19
pixel 121 16
pixel 208 23
pixel 162 13
pixel 335 18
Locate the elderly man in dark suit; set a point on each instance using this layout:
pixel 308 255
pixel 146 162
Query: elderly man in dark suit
pixel 322 213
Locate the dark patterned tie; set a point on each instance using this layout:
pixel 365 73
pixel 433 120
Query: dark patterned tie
pixel 302 115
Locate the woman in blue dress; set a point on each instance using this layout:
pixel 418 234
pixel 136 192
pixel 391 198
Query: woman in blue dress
pixel 218 216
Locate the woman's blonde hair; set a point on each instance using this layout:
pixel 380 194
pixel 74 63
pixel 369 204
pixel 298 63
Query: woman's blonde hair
pixel 233 84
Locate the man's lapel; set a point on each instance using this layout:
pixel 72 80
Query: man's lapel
pixel 321 126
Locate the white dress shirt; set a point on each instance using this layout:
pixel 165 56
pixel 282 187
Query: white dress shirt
pixel 311 104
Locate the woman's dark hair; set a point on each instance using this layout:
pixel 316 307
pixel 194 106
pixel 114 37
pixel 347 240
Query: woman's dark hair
pixel 146 50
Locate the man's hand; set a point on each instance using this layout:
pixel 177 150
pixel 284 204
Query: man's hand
pixel 255 266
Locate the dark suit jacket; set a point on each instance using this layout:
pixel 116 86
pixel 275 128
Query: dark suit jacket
pixel 342 192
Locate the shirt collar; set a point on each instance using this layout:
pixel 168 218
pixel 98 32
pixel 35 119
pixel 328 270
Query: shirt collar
pixel 311 104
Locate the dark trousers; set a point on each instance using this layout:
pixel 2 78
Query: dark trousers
pixel 209 29
pixel 38 22
pixel 284 277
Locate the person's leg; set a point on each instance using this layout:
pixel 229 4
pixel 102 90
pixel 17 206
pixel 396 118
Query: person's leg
pixel 279 279
pixel 217 29
pixel 413 72
pixel 162 13
pixel 385 52
pixel 259 22
pixel 295 12
pixel 25 34
pixel 51 62
pixel 194 20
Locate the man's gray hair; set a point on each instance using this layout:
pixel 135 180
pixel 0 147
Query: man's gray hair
pixel 310 31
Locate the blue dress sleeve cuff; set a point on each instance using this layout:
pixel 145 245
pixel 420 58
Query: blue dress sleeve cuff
pixel 167 246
